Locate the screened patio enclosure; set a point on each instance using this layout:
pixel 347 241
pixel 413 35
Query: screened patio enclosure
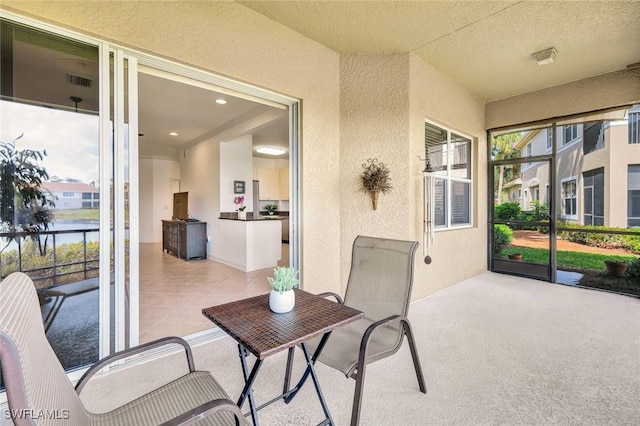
pixel 564 201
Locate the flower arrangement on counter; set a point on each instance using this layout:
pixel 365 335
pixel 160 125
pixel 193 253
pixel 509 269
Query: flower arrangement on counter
pixel 239 201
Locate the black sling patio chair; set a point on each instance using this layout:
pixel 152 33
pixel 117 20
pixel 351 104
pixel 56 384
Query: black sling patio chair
pixel 379 285
pixel 39 392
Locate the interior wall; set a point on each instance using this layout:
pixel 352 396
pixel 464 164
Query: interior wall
pixel 156 199
pixel 251 48
pixel 591 94
pixel 204 198
pixel 236 164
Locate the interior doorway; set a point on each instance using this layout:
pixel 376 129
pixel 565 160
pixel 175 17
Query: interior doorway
pixel 182 122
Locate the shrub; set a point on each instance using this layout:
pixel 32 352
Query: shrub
pixel 507 211
pixel 632 273
pixel 503 235
pixel 580 234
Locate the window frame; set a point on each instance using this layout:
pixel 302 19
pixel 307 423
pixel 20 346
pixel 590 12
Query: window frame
pixel 563 212
pixel 450 148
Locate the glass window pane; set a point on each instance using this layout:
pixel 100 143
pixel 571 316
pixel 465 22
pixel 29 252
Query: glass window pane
pixel 435 145
pixel 461 163
pixel 460 203
pixel 440 205
pixel 50 100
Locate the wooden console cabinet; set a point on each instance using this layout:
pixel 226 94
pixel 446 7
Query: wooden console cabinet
pixel 187 240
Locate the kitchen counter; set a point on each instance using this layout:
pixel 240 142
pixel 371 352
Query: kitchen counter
pixel 250 218
pixel 249 244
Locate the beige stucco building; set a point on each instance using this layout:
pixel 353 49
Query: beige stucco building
pixel 596 171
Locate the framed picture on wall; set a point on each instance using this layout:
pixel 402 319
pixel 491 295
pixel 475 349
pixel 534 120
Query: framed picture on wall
pixel 238 187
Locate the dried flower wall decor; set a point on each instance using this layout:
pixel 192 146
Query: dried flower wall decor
pixel 375 179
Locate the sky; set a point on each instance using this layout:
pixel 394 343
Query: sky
pixel 70 139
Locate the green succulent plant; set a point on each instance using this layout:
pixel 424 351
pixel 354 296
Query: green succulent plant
pixel 284 279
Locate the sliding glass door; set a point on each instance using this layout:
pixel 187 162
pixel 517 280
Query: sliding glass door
pixel 51 184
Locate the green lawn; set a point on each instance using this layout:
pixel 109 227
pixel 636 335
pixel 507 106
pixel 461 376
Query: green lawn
pixel 573 259
pixel 93 214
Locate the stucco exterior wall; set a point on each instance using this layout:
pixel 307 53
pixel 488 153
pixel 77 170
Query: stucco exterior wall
pixel 460 253
pixel 591 94
pixel 231 40
pixel 622 154
pixel 374 124
pixel 385 100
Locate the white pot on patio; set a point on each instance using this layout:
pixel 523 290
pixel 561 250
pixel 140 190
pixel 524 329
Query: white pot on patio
pixel 282 302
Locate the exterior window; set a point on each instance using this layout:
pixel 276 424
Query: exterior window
pixel 527 150
pixel 634 124
pixel 86 195
pixel 549 138
pixel 593 137
pixel 570 198
pixel 633 201
pixel 68 194
pixel 570 134
pixel 449 164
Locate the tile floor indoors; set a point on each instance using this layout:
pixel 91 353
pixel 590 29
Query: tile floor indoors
pixel 173 291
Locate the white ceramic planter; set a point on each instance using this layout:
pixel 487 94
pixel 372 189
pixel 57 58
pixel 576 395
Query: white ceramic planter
pixel 281 303
pixel 242 215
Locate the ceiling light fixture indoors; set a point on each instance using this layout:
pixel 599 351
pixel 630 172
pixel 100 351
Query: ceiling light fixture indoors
pixel 173 134
pixel 545 56
pixel 221 101
pixel 269 150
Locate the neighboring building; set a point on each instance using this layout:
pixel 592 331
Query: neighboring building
pixel 598 172
pixel 74 195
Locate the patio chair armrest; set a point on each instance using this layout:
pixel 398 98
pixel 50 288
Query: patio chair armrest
pixel 196 414
pixel 100 364
pixel 331 294
pixel 369 331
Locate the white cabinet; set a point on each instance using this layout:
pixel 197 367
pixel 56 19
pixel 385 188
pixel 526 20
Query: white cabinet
pixel 269 183
pixel 274 183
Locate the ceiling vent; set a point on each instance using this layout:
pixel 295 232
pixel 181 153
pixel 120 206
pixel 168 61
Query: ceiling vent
pixel 76 80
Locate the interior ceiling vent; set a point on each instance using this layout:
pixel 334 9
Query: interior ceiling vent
pixel 76 80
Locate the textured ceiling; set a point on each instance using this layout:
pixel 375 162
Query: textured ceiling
pixel 485 46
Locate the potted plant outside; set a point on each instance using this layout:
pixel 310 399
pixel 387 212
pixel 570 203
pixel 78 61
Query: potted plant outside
pixel 615 267
pixel 282 298
pixel 515 256
pixel 271 208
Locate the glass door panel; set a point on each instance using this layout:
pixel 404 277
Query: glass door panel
pixel 50 181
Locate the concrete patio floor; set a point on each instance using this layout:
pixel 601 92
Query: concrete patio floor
pixel 495 350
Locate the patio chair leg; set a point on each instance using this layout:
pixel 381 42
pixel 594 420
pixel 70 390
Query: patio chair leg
pixel 357 394
pixel 414 354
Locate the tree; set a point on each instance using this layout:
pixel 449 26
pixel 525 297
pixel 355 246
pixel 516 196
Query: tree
pixel 24 204
pixel 504 148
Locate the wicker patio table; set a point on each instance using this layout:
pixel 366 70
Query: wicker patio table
pixel 263 333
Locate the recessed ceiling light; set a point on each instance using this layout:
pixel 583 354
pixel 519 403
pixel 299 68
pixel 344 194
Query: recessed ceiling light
pixel 269 150
pixel 221 101
pixel 545 56
pixel 173 134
